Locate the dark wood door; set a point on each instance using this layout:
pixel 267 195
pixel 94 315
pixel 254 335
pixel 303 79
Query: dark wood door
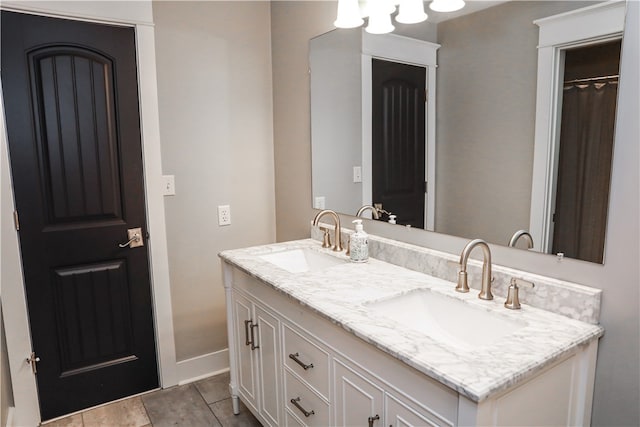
pixel 398 142
pixel 71 100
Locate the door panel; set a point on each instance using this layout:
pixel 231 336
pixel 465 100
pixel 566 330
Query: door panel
pixel 71 100
pixel 270 371
pixel 398 141
pixel 73 87
pixel 96 332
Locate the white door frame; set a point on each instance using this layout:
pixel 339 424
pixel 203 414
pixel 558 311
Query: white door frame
pixel 137 15
pixel 601 22
pixel 392 47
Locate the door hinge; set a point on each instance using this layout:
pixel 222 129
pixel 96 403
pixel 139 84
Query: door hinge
pixel 426 95
pixel 32 360
pixel 16 221
pixel 425 187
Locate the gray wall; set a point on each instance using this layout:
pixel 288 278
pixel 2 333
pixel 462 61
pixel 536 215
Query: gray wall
pixel 618 369
pixel 336 100
pixel 617 390
pixel 293 23
pixel 214 91
pixel 487 71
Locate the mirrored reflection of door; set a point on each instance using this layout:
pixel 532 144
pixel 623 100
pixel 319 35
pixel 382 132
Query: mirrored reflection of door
pixel 586 148
pixel 398 142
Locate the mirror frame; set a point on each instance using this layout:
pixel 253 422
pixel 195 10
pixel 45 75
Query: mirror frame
pixel 580 27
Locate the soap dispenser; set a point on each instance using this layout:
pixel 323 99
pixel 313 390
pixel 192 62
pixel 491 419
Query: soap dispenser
pixel 359 247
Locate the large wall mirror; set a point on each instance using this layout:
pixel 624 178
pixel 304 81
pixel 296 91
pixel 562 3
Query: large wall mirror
pixel 521 111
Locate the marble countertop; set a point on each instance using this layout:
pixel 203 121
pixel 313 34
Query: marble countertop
pixel 341 293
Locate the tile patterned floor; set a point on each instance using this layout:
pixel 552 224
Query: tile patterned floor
pixel 203 403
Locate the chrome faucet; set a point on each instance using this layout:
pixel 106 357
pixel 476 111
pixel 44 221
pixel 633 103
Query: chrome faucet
pixel 525 235
pixel 463 286
pixel 337 245
pixel 374 211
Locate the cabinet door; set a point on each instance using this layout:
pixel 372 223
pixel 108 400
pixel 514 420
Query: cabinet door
pixel 359 401
pixel 268 344
pixel 401 414
pixel 247 369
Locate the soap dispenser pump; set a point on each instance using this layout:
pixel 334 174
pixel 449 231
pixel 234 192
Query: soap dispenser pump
pixel 359 246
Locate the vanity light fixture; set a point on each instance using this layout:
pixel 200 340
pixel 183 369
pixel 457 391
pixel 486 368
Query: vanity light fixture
pixel 411 12
pixel 446 5
pixel 379 17
pixel 348 14
pixel 352 12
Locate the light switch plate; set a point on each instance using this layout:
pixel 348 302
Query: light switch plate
pixel 168 185
pixel 357 174
pixel 319 202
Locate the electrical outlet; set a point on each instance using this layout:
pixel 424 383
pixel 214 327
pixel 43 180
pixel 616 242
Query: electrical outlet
pixel 224 215
pixel 168 185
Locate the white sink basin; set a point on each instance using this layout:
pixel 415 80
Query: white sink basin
pixel 302 260
pixel 446 318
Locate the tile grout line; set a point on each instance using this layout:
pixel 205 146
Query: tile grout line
pixel 207 403
pixel 146 411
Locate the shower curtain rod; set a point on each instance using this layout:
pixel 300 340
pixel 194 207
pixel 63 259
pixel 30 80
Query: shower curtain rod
pixel 593 79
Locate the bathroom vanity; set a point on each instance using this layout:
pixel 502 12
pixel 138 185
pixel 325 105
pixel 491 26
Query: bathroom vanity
pixel 315 340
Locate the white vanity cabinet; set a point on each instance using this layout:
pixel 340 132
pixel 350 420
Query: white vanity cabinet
pixel 293 367
pixel 257 355
pixel 282 354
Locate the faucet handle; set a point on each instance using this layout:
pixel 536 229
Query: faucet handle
pixel 513 301
pixel 522 282
pixel 326 240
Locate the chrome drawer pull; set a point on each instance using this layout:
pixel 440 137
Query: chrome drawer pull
pixel 372 419
pixel 295 356
pixel 297 405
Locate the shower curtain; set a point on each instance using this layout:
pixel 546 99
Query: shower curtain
pixel 584 169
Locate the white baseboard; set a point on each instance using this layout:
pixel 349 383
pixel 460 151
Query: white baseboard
pixel 204 366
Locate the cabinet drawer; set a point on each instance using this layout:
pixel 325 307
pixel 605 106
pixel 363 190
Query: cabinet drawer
pixel 307 354
pixel 317 409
